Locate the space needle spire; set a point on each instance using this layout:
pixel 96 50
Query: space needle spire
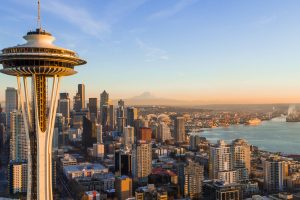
pixel 39 60
pixel 39 24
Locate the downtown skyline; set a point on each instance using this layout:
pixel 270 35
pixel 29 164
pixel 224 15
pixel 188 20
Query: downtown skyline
pixel 221 52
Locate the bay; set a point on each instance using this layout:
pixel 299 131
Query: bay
pixel 275 135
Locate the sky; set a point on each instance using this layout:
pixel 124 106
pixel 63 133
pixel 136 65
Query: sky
pixel 210 51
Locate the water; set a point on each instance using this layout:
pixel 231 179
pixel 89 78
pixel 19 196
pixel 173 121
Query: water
pixel 275 135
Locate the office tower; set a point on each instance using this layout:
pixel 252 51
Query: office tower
pixel 164 132
pixel 142 160
pixel 77 118
pixel 121 103
pixel 145 134
pixel 17 177
pixel 274 175
pixel 2 116
pixel 64 109
pixel 220 159
pixel 3 137
pixel 123 162
pixel 132 115
pixel 64 106
pixel 64 95
pixel 179 129
pixel 121 120
pixel 241 158
pixel 81 93
pixel 41 60
pixel 77 106
pixel 93 108
pixel 105 117
pixel 111 116
pixel 99 146
pixel 11 102
pixel 99 134
pixel 193 178
pixel 18 141
pixel 128 137
pixel 104 100
pixel 89 135
pixel 123 185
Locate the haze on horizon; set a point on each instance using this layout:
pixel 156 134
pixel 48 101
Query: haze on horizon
pixel 210 52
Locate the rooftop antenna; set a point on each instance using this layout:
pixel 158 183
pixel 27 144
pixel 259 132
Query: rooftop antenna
pixel 39 16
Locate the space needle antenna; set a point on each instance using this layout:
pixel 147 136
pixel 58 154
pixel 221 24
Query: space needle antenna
pixel 39 24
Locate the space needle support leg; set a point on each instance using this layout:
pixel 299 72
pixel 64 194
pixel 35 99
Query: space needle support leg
pixel 50 130
pixel 26 118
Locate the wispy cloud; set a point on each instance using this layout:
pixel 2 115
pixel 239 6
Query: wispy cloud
pixel 169 12
pixel 79 17
pixel 266 20
pixel 152 53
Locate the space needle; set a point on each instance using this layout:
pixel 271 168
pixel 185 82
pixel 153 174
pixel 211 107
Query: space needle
pixel 39 60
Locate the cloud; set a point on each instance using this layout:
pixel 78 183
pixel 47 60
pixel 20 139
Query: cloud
pixel 169 12
pixel 152 53
pixel 78 17
pixel 266 20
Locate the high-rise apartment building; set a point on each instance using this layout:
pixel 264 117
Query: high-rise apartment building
pixel 220 159
pixel 164 132
pixel 128 137
pixel 241 158
pixel 274 175
pixel 17 177
pixel 123 185
pixel 179 129
pixel 11 103
pixel 132 115
pixel 18 140
pixel 145 134
pixel 142 160
pixel 193 178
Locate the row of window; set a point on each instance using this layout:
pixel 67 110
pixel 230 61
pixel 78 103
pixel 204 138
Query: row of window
pixel 20 63
pixel 39 50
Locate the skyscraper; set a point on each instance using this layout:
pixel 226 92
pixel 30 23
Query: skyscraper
pixel 89 134
pixel 164 132
pixel 39 59
pixel 11 103
pixel 142 160
pixel 18 141
pixel 81 92
pixel 128 137
pixel 193 178
pixel 220 159
pixel 274 175
pixel 241 158
pixel 179 129
pixel 93 108
pixel 121 120
pixel 104 99
pixel 111 116
pixel 132 115
pixel 64 108
pixel 145 134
